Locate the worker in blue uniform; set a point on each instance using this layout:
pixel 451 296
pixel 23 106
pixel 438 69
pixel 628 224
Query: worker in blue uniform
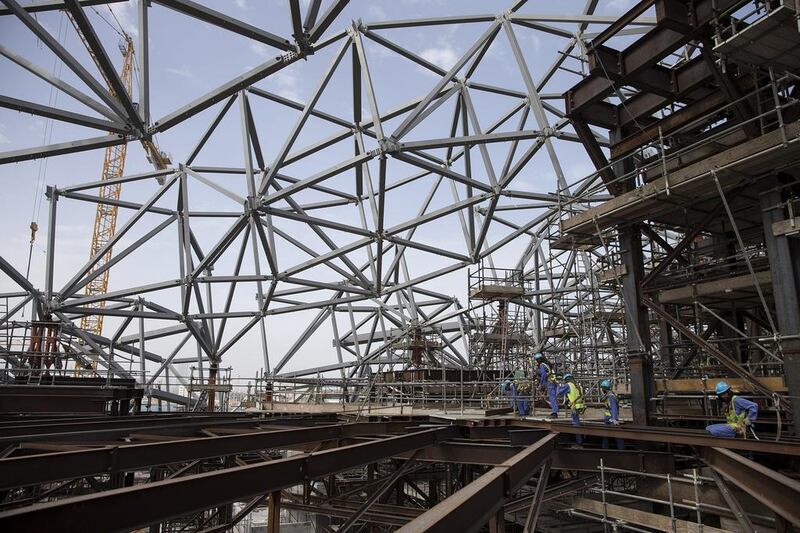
pixel 507 390
pixel 739 413
pixel 611 414
pixel 547 381
pixel 522 388
pixel 574 394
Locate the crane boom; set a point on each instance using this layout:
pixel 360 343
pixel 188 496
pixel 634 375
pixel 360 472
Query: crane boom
pixel 105 221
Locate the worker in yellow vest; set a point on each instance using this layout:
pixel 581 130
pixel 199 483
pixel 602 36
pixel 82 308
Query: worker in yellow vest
pixel 739 413
pixel 574 394
pixel 522 388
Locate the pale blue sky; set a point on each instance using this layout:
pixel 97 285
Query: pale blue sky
pixel 189 58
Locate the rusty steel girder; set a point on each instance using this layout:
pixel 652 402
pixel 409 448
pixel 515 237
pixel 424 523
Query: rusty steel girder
pixel 47 467
pixel 470 508
pixel 773 489
pixel 158 501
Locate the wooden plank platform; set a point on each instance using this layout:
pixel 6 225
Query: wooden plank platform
pixel 692 183
pixel 789 226
pixel 770 41
pixel 774 383
pixel 641 518
pixel 495 292
pixel 734 288
pixel 611 274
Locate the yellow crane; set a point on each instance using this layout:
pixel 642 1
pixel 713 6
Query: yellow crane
pixel 105 221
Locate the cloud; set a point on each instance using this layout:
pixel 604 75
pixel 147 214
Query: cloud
pixel 536 42
pixel 376 12
pixel 529 38
pixel 260 49
pixel 183 71
pixel 3 137
pixel 619 5
pixel 285 82
pixel 125 13
pixel 242 4
pixel 34 125
pixel 444 57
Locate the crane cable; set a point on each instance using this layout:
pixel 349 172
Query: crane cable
pixel 47 137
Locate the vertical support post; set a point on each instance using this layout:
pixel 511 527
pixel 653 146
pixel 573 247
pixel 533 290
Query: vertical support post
pixel 665 344
pixel 142 365
pixel 603 493
pixel 52 195
pixel 636 321
pixel 784 262
pixel 274 512
pixel 400 487
pixel 696 484
pixel 144 63
pixel 448 480
pixel 433 491
pixel 212 381
pixel 671 505
pixel 497 523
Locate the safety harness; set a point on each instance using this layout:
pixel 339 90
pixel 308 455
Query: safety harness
pixel 551 376
pixel 734 420
pixel 575 398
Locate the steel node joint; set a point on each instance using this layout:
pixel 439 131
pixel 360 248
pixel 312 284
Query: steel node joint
pixel 253 204
pixel 389 145
pixel 504 16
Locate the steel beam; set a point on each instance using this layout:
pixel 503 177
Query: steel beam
pixel 155 502
pixel 783 261
pixel 41 6
pixel 62 53
pixel 471 507
pixel 62 115
pixel 775 490
pixel 68 147
pixel 673 436
pixel 536 501
pixel 730 363
pixel 43 468
pixel 119 91
pixel 206 14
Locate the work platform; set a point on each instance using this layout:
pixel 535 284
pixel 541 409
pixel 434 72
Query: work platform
pixel 771 41
pixel 740 289
pixel 484 465
pixel 71 395
pixel 684 196
pixel 495 292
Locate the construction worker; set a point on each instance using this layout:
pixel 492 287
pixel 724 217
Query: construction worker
pixel 507 389
pixel 611 414
pixel 547 381
pixel 739 413
pixel 522 387
pixel 574 394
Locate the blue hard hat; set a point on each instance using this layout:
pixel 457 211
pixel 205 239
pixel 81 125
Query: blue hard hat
pixel 567 376
pixel 722 387
pixel 605 384
pixel 538 356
